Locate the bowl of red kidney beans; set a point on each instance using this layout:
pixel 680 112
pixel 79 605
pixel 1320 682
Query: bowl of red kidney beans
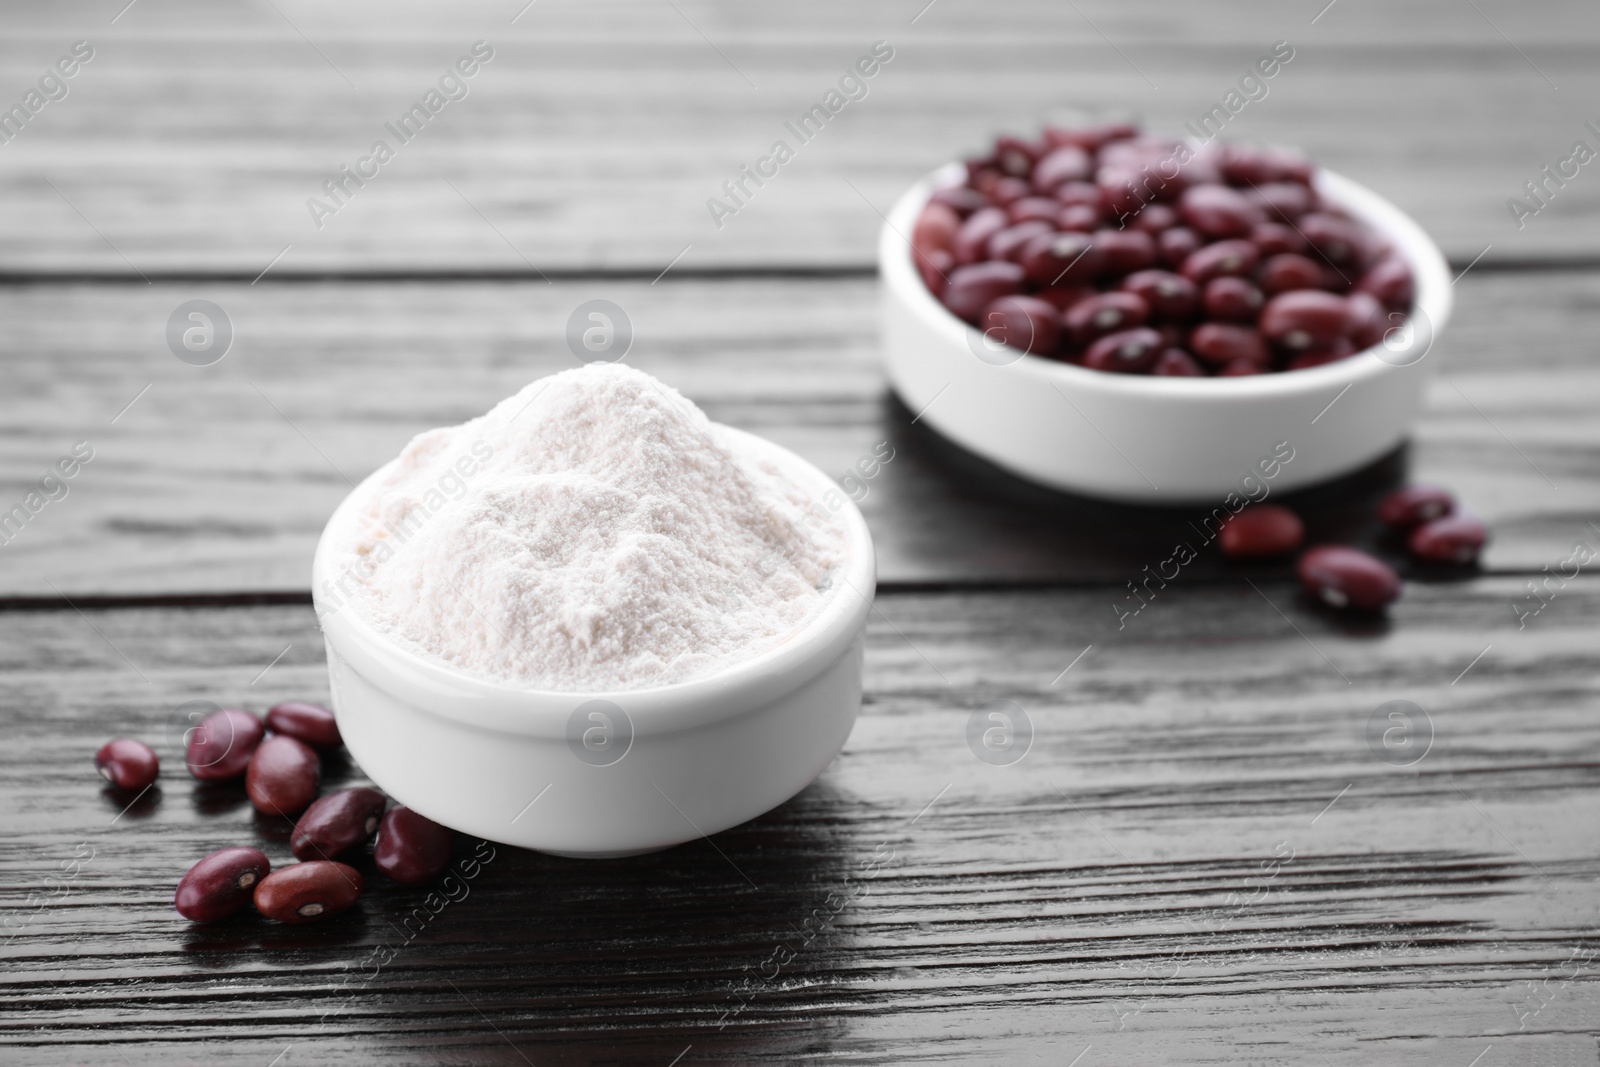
pixel 1144 318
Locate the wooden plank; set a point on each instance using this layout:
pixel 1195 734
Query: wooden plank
pixel 197 134
pixel 1114 890
pixel 218 479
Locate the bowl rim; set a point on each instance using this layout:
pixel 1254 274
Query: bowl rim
pixel 451 693
pixel 1434 298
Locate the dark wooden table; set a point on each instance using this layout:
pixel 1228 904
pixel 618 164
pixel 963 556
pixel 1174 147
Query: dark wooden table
pixel 1202 859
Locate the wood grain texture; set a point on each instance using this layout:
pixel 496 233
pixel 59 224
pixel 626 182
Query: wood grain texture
pixel 594 138
pixel 219 479
pixel 1114 890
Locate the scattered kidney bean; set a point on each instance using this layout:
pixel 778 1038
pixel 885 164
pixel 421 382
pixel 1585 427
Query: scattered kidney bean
pixel 127 764
pixel 1089 320
pixel 311 723
pixel 1305 317
pixel 1061 259
pixel 220 747
pixel 1413 505
pixel 1261 531
pixel 221 884
pixel 975 286
pixel 1452 539
pixel 411 847
pixel 1232 299
pixel 1348 578
pixel 283 777
pixel 1025 323
pixel 1176 363
pixel 1170 297
pixel 1222 343
pixel 307 892
pixel 1217 260
pixel 336 823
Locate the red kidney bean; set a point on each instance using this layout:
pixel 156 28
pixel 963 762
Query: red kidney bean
pixel 1125 251
pixel 308 892
pixel 284 776
pixel 1317 355
pixel 1412 505
pixel 1453 539
pixel 1014 156
pixel 973 237
pixel 1176 363
pixel 1390 281
pixel 1080 217
pixel 1006 189
pixel 1261 531
pixel 975 286
pixel 1007 244
pixel 411 847
pixel 1155 218
pixel 1281 200
pixel 963 200
pixel 1089 138
pixel 221 746
pixel 1125 190
pixel 1222 344
pixel 1218 211
pixel 1276 239
pixel 1251 165
pixel 1238 368
pixel 1033 207
pixel 1305 317
pixel 1287 271
pixel 1091 319
pixel 311 723
pixel 1340 241
pixel 1086 194
pixel 1061 258
pixel 1170 297
pixel 936 228
pixel 1220 259
pixel 1068 163
pixel 1177 244
pixel 935 268
pixel 1025 323
pixel 1126 352
pixel 127 764
pixel 1061 297
pixel 1232 300
pixel 1369 320
pixel 1348 578
pixel 336 823
pixel 221 884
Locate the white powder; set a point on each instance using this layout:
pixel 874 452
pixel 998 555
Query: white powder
pixel 593 532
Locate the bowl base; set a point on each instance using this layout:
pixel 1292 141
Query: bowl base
pixel 620 854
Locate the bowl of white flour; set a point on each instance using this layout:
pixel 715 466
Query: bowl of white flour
pixel 594 622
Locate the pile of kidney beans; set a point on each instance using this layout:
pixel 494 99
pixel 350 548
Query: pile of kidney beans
pixel 282 771
pixel 1343 577
pixel 1096 247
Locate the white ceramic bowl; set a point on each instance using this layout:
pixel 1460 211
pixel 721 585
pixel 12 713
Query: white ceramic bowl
pixel 1145 439
pixel 658 767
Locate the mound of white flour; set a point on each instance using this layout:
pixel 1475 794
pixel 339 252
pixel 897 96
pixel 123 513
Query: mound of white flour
pixel 593 532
